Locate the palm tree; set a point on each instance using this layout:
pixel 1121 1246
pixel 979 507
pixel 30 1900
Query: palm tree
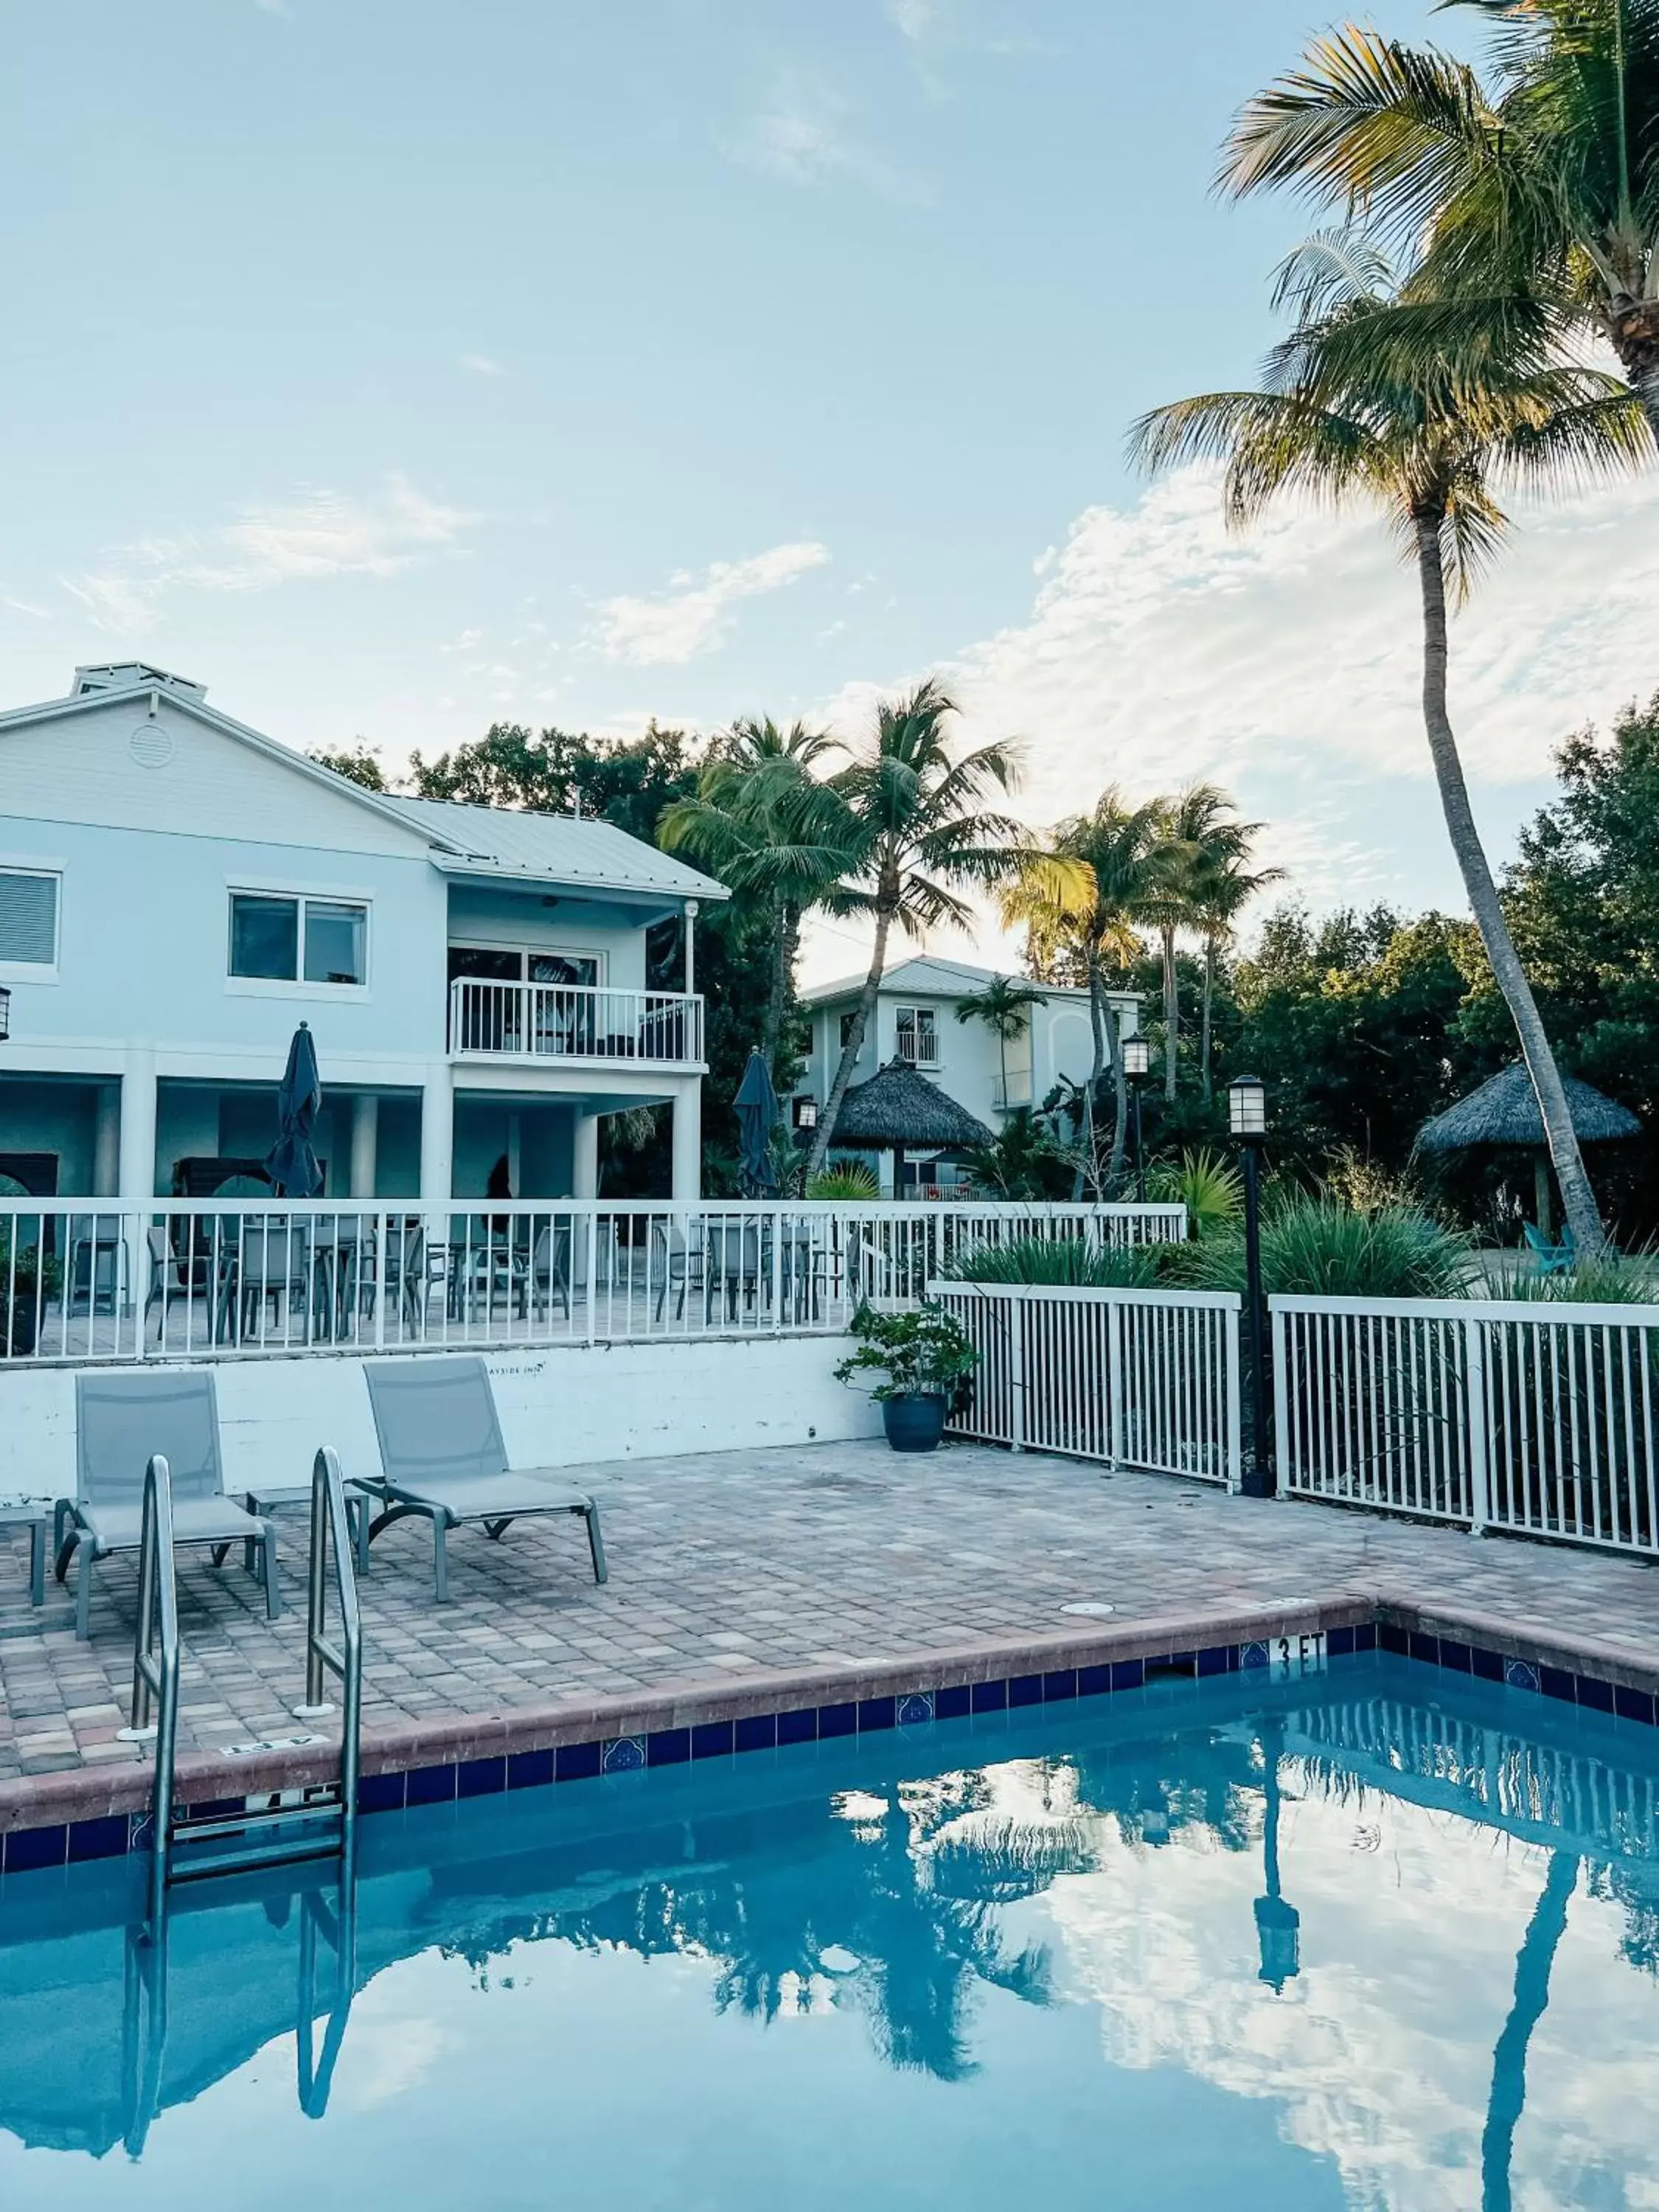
pixel 740 824
pixel 1091 892
pixel 1199 835
pixel 1223 886
pixel 1005 1007
pixel 1550 181
pixel 909 824
pixel 1414 405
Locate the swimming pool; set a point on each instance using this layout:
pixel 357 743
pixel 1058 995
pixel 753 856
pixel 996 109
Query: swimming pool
pixel 1374 1937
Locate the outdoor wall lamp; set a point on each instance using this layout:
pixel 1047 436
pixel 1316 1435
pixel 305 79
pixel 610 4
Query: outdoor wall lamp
pixel 1247 1119
pixel 1137 1058
pixel 806 1113
pixel 5 1014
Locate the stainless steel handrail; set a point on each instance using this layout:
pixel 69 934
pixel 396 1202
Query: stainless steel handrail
pixel 324 1656
pixel 156 1675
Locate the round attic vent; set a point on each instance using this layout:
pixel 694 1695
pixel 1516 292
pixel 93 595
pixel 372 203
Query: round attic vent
pixel 150 745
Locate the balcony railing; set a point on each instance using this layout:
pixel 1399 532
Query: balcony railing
pixel 574 1022
pixel 918 1051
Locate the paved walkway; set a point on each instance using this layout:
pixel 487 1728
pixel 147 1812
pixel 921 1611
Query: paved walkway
pixel 724 1568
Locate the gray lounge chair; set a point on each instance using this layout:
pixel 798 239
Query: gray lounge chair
pixel 441 1455
pixel 121 1421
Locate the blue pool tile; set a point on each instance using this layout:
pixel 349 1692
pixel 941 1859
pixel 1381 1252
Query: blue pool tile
pixel 1058 1685
pixel 377 1793
pixel 1488 1665
pixel 1633 1704
pixel 990 1696
pixel 1364 1637
pixel 98 1839
pixel 668 1747
pixel 623 1754
pixel 1556 1682
pixel 1093 1681
pixel 480 1778
pixel 578 1762
pixel 529 1770
pixel 1338 1642
pixel 1130 1673
pixel 1390 1638
pixel 712 1740
pixel 837 1720
pixel 1217 1659
pixel 761 1731
pixel 915 1707
pixel 1423 1647
pixel 950 1703
pixel 429 1785
pixel 876 1713
pixel 1252 1656
pixel 1595 1694
pixel 800 1727
pixel 1024 1690
pixel 1521 1674
pixel 27 1849
pixel 1455 1655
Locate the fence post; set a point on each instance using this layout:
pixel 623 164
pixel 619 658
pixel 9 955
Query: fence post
pixel 1115 1317
pixel 1236 1401
pixel 1474 1426
pixel 593 1273
pixel 1016 1371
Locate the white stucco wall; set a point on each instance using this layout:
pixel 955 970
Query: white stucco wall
pixel 564 1406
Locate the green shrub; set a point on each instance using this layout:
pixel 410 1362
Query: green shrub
pixel 1068 1261
pixel 1211 1188
pixel 922 1352
pixel 1611 1278
pixel 854 1181
pixel 1315 1246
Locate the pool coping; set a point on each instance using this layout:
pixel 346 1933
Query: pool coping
pixel 84 1812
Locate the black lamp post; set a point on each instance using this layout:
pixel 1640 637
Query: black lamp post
pixel 1137 1061
pixel 1246 1118
pixel 1277 1922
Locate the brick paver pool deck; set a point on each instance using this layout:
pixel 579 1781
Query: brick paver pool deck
pixel 730 1572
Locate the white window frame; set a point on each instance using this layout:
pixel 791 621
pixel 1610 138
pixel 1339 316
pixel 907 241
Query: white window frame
pixel 916 1013
pixel 37 971
pixel 283 986
pixel 529 952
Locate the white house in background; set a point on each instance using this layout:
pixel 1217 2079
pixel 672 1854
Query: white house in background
pixel 177 892
pixel 916 1019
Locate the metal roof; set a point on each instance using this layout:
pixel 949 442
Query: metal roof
pixel 553 848
pixel 930 977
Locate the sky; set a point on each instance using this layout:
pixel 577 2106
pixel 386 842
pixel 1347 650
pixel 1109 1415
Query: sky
pixel 395 367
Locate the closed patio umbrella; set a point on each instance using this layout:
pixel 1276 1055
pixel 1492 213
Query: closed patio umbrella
pixel 291 1163
pixel 756 1102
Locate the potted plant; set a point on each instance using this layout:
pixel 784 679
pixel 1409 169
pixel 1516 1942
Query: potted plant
pixel 24 1287
pixel 928 1363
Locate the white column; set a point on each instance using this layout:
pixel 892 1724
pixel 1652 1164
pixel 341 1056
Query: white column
pixel 585 1157
pixel 516 1154
pixel 691 946
pixel 365 1143
pixel 106 1142
pixel 438 1134
pixel 688 1142
pixel 138 1140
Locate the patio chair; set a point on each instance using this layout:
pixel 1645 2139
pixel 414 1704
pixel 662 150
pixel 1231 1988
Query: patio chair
pixel 734 1262
pixel 171 1278
pixel 549 1269
pixel 677 1257
pixel 122 1420
pixel 1552 1259
pixel 441 1456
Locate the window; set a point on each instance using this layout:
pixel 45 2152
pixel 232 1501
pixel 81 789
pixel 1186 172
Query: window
pixel 29 918
pixel 292 940
pixel 846 1022
pixel 918 1038
pixel 492 963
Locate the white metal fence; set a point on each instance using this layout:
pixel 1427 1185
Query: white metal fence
pixel 1138 1378
pixel 229 1277
pixel 1536 1418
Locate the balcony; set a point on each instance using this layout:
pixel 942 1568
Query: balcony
pixel 918 1049
pixel 575 1024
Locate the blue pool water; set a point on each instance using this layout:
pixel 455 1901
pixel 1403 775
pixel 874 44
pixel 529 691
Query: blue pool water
pixel 1377 1938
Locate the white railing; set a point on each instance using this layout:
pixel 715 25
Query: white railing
pixel 574 1022
pixel 1542 1419
pixel 224 1278
pixel 1137 1378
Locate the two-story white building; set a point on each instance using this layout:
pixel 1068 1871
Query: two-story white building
pixel 177 891
pixel 915 1020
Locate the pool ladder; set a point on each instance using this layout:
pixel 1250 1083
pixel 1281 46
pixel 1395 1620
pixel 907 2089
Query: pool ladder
pixel 271 1830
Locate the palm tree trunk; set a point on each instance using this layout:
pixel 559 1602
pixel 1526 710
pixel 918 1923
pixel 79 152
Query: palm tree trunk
pixel 1171 1012
pixel 777 984
pixel 1209 996
pixel 1633 325
pixel 1509 2063
pixel 1120 1097
pixel 1576 1196
pixel 1096 1066
pixel 849 1051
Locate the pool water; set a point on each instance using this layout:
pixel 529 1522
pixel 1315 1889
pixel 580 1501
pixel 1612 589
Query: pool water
pixel 1378 1937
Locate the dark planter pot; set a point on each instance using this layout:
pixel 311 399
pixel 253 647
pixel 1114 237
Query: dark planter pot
pixel 913 1423
pixel 18 1328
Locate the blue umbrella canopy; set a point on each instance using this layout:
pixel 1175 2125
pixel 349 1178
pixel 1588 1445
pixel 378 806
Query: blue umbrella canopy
pixel 291 1163
pixel 756 1102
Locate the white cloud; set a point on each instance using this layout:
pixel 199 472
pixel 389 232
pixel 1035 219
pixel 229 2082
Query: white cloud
pixel 482 365
pixel 913 18
pixel 804 137
pixel 695 617
pixel 323 533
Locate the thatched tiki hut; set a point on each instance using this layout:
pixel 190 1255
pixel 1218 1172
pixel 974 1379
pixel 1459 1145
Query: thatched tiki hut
pixel 1504 1110
pixel 898 1111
